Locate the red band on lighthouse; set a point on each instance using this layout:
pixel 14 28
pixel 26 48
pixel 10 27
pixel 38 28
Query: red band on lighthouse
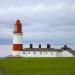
pixel 17 47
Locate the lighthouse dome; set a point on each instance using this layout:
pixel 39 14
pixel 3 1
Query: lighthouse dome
pixel 18 27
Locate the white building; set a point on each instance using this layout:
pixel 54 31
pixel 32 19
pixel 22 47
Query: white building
pixel 43 52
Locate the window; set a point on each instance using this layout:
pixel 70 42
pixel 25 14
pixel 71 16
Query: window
pixel 34 52
pixel 15 28
pixel 46 52
pixel 29 52
pixel 40 52
pixel 24 52
pixel 52 53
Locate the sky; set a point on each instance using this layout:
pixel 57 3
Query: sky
pixel 43 21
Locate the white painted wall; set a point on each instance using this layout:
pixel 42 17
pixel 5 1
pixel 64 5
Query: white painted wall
pixel 14 53
pixel 38 54
pixel 17 39
pixel 42 53
pixel 66 54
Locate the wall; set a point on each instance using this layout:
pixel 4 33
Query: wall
pixel 66 54
pixel 42 54
pixel 36 53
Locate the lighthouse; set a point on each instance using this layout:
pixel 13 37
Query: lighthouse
pixel 17 38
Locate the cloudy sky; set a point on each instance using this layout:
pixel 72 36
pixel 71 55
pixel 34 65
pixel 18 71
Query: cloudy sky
pixel 44 21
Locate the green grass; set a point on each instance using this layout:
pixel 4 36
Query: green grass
pixel 38 66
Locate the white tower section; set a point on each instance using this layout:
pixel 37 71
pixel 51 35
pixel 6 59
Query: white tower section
pixel 17 38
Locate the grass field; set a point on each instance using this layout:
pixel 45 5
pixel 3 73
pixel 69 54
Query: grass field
pixel 38 66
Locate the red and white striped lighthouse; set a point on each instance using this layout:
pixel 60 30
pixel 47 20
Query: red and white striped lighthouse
pixel 17 38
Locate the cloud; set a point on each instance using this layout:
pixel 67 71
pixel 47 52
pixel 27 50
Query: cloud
pixel 45 20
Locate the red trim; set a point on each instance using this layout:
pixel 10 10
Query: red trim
pixel 17 47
